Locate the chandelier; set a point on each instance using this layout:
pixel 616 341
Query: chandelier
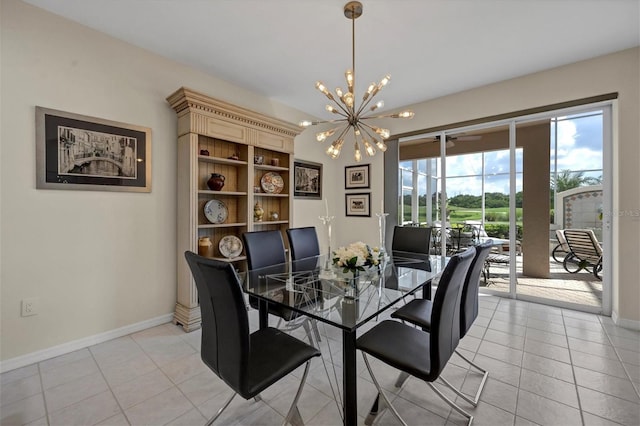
pixel 354 117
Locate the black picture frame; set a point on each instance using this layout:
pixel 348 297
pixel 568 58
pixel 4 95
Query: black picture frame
pixel 356 177
pixel 358 204
pixel 79 152
pixel 307 180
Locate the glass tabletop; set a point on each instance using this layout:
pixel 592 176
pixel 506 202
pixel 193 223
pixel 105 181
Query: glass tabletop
pixel 337 297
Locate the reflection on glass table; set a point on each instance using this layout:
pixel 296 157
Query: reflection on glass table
pixel 342 299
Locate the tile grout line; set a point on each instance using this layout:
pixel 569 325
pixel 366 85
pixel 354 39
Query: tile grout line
pixel 573 371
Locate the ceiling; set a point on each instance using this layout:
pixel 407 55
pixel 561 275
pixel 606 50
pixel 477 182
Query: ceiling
pixel 431 48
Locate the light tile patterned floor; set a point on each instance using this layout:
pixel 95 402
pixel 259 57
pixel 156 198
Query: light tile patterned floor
pixel 548 366
pixel 581 288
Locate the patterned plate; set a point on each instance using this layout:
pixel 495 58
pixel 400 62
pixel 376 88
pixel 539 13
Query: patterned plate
pixel 272 183
pixel 230 246
pixel 215 211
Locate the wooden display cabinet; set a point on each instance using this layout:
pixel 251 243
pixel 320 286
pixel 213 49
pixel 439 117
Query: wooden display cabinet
pixel 234 139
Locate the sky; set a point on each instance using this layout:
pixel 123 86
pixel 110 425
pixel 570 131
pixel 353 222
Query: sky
pixel 579 147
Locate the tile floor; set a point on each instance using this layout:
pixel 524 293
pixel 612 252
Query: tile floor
pixel 548 366
pixel 581 288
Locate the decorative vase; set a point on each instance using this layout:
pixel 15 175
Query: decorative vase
pixel 204 246
pixel 258 212
pixel 216 182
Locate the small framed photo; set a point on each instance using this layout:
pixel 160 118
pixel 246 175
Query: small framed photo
pixel 307 180
pixel 358 204
pixel 92 154
pixel 356 177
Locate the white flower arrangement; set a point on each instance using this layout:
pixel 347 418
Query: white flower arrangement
pixel 356 257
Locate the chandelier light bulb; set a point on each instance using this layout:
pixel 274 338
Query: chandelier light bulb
pixel 406 114
pixel 349 76
pixel 339 92
pixel 334 149
pixel 381 146
pixel 377 105
pixel 305 123
pixel 357 155
pixel 368 148
pixel 384 133
pixel 348 99
pixel 322 136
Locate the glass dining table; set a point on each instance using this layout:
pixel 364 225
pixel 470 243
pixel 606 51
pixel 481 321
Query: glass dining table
pixel 341 299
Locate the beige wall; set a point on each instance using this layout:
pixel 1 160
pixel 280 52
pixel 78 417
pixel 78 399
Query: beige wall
pixel 97 261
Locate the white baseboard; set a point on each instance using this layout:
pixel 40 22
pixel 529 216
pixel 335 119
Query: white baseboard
pixel 626 323
pixel 75 345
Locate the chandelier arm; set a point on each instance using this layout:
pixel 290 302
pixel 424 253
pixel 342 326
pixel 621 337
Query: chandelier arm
pixel 346 111
pixel 366 102
pixel 369 134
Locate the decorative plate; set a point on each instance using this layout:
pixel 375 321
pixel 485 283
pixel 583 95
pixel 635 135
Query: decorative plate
pixel 272 183
pixel 230 246
pixel 215 211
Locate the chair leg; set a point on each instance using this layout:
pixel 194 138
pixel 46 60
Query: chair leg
pixel 294 414
pixel 402 377
pixel 226 404
pixel 451 403
pixel 314 325
pixel 485 375
pixel 307 330
pixel 381 393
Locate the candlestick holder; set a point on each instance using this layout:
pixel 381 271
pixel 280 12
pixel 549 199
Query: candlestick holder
pixel 382 228
pixel 327 272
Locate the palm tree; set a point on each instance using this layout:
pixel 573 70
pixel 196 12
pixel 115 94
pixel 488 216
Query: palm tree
pixel 566 179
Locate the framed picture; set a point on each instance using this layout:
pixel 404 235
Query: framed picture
pixel 87 153
pixel 356 177
pixel 307 180
pixel 358 204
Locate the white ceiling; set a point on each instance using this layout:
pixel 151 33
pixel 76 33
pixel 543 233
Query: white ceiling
pixel 431 48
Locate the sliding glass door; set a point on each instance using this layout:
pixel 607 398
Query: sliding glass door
pixel 508 180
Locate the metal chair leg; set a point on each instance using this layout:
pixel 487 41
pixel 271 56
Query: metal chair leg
pixel 485 375
pixel 376 408
pixel 381 393
pixel 402 377
pixel 451 403
pixel 294 414
pixel 226 404
pixel 314 326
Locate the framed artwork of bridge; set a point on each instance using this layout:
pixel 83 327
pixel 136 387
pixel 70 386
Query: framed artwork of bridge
pixel 92 154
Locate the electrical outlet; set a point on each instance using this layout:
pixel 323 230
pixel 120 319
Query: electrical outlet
pixel 29 307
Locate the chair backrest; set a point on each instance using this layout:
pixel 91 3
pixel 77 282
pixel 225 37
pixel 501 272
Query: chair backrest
pixel 303 242
pixel 583 244
pixel 469 296
pixel 411 239
pixel 264 248
pixel 413 243
pixel 225 326
pixel 444 334
pixel 562 240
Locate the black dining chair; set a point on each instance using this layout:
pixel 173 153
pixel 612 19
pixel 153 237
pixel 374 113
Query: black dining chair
pixel 413 243
pixel 419 353
pixel 303 242
pixel 266 248
pixel 247 362
pixel 419 312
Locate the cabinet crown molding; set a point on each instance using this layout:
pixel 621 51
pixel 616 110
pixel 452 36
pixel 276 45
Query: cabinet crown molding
pixel 185 99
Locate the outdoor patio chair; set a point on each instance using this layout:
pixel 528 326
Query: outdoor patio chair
pixel 585 252
pixel 562 249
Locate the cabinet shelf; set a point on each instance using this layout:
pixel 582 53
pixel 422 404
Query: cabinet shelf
pixel 221 225
pixel 219 160
pixel 263 194
pixel 271 168
pixel 230 260
pixel 221 193
pixel 270 222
